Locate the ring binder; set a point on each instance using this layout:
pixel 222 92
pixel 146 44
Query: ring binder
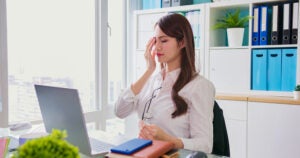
pixel 276 33
pixel 294 37
pixel 286 33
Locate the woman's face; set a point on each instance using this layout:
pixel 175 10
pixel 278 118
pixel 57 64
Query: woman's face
pixel 167 49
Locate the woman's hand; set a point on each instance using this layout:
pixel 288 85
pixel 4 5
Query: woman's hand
pixel 150 54
pixel 153 132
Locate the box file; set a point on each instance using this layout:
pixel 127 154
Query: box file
pixel 166 3
pixel 294 36
pixel 288 79
pixel 286 32
pixel 276 32
pixel 197 28
pixel 151 4
pixel 147 4
pixel 181 2
pixel 259 69
pixel 201 1
pixel 255 26
pixel 274 70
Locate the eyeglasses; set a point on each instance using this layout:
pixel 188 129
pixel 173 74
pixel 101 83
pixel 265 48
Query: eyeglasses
pixel 146 114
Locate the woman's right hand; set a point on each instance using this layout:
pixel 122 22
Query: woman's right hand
pixel 150 54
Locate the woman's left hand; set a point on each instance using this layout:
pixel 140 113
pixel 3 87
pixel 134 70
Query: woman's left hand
pixel 151 131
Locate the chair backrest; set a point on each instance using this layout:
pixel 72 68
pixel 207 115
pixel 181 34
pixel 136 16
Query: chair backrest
pixel 220 140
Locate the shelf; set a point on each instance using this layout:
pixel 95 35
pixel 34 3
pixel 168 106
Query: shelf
pixel 171 9
pixel 263 98
pixel 275 46
pixel 226 47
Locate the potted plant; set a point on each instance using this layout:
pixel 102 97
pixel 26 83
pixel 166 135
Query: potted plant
pixel 297 92
pixel 53 145
pixel 234 25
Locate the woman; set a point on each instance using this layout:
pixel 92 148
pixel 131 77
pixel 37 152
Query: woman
pixel 175 104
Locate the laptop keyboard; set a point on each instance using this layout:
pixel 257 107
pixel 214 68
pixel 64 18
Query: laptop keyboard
pixel 13 143
pixel 99 146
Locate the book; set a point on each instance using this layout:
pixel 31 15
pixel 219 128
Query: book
pixel 173 153
pixel 3 146
pixel 131 146
pixel 156 149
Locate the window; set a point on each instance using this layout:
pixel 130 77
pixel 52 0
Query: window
pixel 49 42
pixel 63 43
pixel 116 54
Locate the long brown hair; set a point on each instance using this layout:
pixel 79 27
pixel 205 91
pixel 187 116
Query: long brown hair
pixel 177 26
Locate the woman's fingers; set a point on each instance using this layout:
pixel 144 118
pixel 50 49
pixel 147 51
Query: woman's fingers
pixel 150 53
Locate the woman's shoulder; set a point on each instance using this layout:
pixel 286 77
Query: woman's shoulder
pixel 199 79
pixel 199 82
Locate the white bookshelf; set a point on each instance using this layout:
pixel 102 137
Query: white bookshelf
pixel 229 68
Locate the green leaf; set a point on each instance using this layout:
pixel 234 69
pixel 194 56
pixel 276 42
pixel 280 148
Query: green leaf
pixel 231 19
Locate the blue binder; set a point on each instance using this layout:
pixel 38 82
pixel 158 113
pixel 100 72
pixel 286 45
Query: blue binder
pixel 201 1
pixel 255 25
pixel 151 4
pixel 274 70
pixel 146 4
pixel 259 69
pixel 264 24
pixel 288 79
pixel 156 3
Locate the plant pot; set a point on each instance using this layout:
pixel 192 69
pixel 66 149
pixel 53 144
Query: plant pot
pixel 235 37
pixel 297 95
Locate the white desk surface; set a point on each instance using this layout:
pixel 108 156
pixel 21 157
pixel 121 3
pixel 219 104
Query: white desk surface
pixel 101 135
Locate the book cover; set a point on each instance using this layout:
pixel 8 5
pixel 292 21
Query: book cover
pixel 131 146
pixel 155 150
pixel 3 146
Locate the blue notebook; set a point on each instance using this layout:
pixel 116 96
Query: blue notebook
pixel 131 146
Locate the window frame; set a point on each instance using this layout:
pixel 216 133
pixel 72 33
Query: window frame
pixel 3 65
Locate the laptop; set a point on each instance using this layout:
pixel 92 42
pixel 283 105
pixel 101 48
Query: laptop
pixel 61 109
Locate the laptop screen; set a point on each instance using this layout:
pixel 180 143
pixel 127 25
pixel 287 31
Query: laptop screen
pixel 61 109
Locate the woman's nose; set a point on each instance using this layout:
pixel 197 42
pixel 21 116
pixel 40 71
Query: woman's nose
pixel 158 46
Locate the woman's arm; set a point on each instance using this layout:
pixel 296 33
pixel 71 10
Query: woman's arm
pixel 201 95
pixel 151 65
pixel 127 100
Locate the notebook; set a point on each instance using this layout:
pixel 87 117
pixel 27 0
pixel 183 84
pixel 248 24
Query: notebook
pixel 156 149
pixel 131 146
pixel 61 109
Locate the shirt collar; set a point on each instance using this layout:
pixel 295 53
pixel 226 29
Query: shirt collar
pixel 170 77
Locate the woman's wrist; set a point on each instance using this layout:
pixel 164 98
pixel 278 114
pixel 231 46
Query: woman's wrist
pixel 177 142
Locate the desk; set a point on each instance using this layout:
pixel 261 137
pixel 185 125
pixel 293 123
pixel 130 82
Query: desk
pixel 115 140
pixel 182 154
pixel 120 139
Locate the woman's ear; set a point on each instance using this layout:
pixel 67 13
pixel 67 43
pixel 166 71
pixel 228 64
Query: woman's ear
pixel 181 44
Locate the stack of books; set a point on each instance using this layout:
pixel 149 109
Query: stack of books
pixel 142 148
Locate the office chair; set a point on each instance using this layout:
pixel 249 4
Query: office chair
pixel 220 140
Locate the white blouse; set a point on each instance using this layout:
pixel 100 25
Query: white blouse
pixel 194 128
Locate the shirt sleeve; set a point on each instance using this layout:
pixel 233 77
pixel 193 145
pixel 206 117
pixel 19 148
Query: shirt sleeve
pixel 200 97
pixel 126 103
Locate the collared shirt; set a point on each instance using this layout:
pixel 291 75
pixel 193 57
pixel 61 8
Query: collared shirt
pixel 194 128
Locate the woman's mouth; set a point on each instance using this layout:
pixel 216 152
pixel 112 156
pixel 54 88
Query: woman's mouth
pixel 159 54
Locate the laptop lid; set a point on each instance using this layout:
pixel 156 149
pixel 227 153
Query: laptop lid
pixel 61 109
